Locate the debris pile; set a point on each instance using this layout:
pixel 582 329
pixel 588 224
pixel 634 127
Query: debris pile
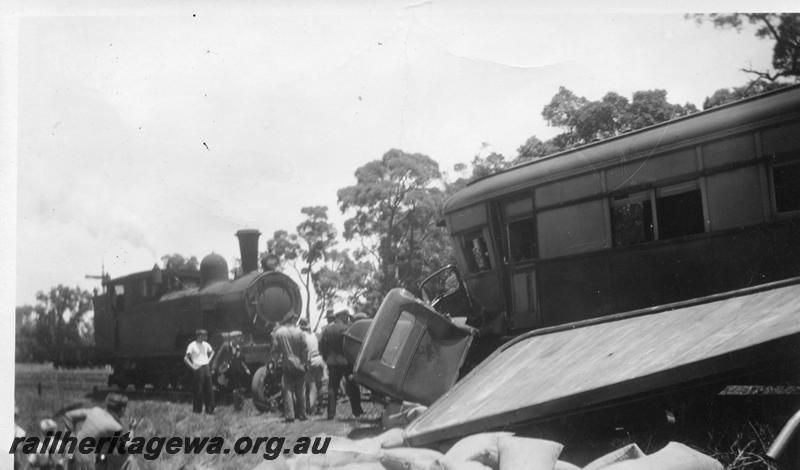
pixel 485 451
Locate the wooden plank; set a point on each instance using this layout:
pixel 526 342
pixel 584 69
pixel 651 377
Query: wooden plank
pixel 603 361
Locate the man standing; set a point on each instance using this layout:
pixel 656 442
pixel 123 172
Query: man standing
pixel 330 346
pixel 198 356
pixel 229 369
pixel 316 368
pixel 291 343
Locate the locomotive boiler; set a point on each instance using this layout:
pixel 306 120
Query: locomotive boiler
pixel 144 321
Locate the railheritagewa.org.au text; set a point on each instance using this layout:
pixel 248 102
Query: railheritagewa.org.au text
pixel 151 448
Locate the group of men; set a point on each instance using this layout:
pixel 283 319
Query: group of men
pixel 304 357
pixel 59 449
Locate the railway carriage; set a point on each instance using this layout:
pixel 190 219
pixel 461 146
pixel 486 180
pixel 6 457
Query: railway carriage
pixel 702 204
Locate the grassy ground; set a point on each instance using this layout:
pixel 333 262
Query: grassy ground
pixel 172 417
pixel 736 428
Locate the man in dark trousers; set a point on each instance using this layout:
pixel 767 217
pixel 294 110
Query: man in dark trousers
pixel 330 347
pixel 198 357
pixel 294 352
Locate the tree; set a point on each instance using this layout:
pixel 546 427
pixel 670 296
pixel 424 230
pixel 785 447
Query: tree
pixel 586 121
pixel 393 208
pixel 307 249
pixel 178 263
pixel 284 245
pixel 180 272
pixel 28 348
pixel 484 166
pixel 534 148
pixel 563 108
pixel 319 236
pixel 342 279
pixel 783 28
pixel 650 107
pixel 727 95
pixel 55 324
pixel 493 163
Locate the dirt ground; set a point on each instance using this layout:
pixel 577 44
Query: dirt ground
pixel 172 416
pixel 736 428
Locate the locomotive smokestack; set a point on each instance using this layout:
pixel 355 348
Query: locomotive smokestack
pixel 248 247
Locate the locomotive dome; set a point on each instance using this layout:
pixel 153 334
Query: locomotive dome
pixel 213 268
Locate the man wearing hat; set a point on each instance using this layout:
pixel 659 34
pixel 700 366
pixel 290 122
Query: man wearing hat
pixel 331 348
pixel 198 357
pixel 315 368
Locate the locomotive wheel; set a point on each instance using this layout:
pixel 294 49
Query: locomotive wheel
pixel 259 390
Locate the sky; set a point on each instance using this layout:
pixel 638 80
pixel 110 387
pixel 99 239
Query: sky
pixel 151 129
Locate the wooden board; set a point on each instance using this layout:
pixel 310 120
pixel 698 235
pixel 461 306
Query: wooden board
pixel 583 365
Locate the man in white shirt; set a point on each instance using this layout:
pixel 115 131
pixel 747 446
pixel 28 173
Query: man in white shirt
pixel 198 356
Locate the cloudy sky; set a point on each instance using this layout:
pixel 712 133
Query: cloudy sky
pixel 153 130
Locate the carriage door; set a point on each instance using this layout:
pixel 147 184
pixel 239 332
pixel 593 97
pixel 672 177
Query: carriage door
pixel 520 252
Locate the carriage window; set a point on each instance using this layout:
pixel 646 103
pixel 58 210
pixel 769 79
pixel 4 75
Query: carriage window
pixel 522 240
pixel 632 219
pixel 679 214
pixel 678 211
pixel 787 187
pixel 476 251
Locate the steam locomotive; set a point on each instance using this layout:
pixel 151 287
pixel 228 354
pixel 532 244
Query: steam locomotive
pixel 144 321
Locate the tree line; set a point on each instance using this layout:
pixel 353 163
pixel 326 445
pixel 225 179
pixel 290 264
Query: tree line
pixel 393 209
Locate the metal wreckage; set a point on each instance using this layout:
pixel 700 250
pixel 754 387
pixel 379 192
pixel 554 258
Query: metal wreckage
pixel 649 270
pixel 653 267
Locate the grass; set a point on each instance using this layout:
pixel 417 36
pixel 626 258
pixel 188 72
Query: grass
pixel 65 388
pixel 736 429
pixel 743 423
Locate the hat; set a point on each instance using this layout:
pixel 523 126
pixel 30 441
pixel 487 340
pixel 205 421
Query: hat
pixel 116 400
pixel 200 331
pixel 231 335
pixel 344 313
pixel 48 425
pixel 303 324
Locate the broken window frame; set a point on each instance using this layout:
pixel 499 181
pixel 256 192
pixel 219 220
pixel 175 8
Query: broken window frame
pixel 678 190
pixel 478 258
pixel 652 198
pixel 645 198
pixel 515 212
pixel 776 167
